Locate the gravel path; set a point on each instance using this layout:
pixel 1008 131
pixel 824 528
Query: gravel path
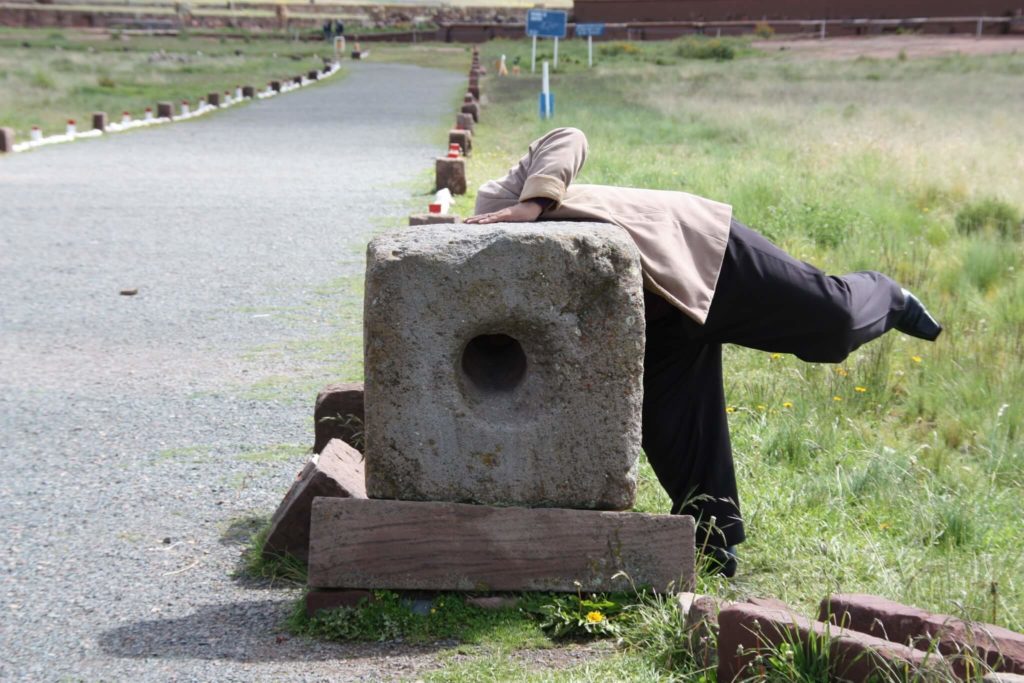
pixel 141 434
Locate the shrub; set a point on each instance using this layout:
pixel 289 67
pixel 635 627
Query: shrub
pixel 105 81
pixel 764 30
pixel 41 79
pixel 693 48
pixel 618 48
pixel 989 215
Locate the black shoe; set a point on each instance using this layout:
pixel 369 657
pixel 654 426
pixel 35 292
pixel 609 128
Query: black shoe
pixel 722 561
pixel 916 320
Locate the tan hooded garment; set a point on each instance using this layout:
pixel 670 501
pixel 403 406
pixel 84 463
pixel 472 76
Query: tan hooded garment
pixel 681 237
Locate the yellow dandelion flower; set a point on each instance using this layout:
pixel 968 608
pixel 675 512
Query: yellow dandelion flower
pixel 837 398
pixel 842 372
pixel 884 525
pixel 787 404
pixel 860 390
pixel 925 209
pixel 776 356
pixel 916 359
pixel 594 617
pixel 730 409
pixel 762 407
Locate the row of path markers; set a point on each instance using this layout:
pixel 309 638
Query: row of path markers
pixel 450 170
pixel 165 113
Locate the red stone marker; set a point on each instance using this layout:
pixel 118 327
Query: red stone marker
pixel 99 120
pixel 213 99
pixel 275 86
pixel 462 138
pixel 6 140
pixel 248 91
pixel 464 122
pixel 856 657
pixel 473 109
pixel 164 110
pixel 313 75
pixel 338 414
pixel 433 218
pixel 450 173
pixel 1000 648
pixel 406 545
pixel 336 472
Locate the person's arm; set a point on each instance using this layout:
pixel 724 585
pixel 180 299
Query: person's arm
pixel 537 183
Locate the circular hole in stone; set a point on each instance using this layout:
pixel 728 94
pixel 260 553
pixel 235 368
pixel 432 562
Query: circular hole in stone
pixel 494 363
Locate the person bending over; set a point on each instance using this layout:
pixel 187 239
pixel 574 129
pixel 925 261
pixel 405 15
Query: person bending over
pixel 708 280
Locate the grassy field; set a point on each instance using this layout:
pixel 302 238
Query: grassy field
pixel 70 75
pixel 901 471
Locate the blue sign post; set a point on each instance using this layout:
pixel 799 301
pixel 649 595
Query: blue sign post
pixel 589 30
pixel 545 23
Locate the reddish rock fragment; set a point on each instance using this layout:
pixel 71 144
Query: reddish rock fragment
pixel 746 629
pixel 337 472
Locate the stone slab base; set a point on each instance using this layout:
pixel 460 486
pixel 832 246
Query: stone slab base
pixel 338 414
pixel 1000 648
pixel 405 545
pixel 433 219
pixel 336 472
pixel 744 630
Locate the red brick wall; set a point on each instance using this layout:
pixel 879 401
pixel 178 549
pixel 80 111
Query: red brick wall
pixel 724 10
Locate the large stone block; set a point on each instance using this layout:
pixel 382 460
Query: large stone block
pixel 6 140
pixel 213 99
pixel 336 472
pixel 99 120
pixel 503 364
pixel 403 545
pixel 164 110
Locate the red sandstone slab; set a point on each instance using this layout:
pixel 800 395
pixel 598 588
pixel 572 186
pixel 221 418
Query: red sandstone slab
pixel 338 414
pixel 6 140
pixel 450 173
pixel 406 545
pixel 745 629
pixel 1000 648
pixel 336 472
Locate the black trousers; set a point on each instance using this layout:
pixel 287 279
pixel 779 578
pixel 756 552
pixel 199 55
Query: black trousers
pixel 765 299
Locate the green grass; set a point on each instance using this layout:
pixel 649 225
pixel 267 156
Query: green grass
pixel 64 75
pixel 908 487
pixel 899 472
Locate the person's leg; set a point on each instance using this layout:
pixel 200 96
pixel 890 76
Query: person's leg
pixel 769 300
pixel 685 427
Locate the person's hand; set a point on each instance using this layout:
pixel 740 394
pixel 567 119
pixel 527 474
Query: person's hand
pixel 523 212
